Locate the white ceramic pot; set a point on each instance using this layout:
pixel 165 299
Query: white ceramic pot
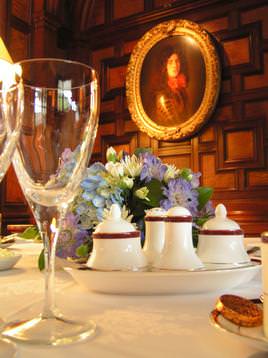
pixel 221 240
pixel 116 245
pixel 178 252
pixel 154 234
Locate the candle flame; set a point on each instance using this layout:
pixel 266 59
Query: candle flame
pixel 53 226
pixel 4 54
pixel 8 71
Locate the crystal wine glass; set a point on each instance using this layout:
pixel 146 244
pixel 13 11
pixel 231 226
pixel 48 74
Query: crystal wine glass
pixel 10 113
pixel 60 116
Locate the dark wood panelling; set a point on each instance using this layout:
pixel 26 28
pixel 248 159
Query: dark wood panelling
pixel 231 149
pixel 29 31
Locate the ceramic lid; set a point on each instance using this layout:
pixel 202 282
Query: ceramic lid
pixel 179 214
pixel 220 224
pixel 114 223
pixel 155 214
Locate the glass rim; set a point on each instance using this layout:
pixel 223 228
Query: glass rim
pixel 43 59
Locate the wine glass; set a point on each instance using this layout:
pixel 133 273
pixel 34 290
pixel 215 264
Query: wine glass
pixel 59 119
pixel 10 113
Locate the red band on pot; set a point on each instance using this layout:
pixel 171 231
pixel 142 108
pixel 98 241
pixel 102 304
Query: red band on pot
pixel 116 235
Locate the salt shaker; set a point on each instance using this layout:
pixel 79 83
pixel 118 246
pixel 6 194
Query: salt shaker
pixel 116 245
pixel 154 234
pixel 264 259
pixel 178 252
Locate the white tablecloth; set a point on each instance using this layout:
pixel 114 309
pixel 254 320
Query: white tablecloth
pixel 128 326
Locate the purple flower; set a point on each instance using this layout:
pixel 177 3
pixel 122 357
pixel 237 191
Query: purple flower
pixel 179 192
pixel 70 221
pixel 152 168
pixel 71 237
pixel 207 211
pixel 69 241
pixel 195 180
pixel 67 155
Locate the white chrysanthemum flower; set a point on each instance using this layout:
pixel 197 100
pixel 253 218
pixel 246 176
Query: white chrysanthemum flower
pixel 115 169
pixel 142 193
pixel 128 182
pixel 124 215
pixel 111 155
pixel 132 165
pixel 171 173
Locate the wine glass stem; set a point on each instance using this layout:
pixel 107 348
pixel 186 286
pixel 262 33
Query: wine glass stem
pixel 49 257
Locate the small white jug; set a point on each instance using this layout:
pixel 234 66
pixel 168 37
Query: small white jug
pixel 116 245
pixel 154 234
pixel 178 252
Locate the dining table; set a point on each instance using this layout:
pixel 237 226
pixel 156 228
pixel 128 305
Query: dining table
pixel 173 325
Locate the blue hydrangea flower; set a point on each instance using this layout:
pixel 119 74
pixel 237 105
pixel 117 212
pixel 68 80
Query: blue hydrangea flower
pixel 152 168
pixel 179 192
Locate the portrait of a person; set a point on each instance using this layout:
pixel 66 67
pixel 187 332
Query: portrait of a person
pixel 172 81
pixel 171 102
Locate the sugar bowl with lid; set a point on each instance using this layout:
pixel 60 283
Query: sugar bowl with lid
pixel 116 245
pixel 220 240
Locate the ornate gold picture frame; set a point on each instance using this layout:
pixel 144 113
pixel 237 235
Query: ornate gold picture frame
pixel 173 80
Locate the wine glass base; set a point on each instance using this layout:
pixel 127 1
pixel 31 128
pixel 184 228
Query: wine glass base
pixel 53 331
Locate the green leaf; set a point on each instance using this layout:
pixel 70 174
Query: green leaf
pixel 31 233
pixel 155 193
pixel 41 261
pixel 139 151
pixel 204 194
pixel 185 173
pixel 82 250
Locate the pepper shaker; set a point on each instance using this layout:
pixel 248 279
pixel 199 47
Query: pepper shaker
pixel 178 252
pixel 154 234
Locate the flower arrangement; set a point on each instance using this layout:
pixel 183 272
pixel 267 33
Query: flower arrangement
pixel 137 183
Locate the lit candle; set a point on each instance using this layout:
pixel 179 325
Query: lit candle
pixel 4 54
pixel 8 70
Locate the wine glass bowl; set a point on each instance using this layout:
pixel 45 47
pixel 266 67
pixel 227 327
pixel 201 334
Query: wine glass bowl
pixel 10 115
pixel 59 122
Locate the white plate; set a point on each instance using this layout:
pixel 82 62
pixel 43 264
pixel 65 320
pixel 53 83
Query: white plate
pixel 5 246
pixel 7 263
pixel 7 349
pixel 253 336
pixel 163 282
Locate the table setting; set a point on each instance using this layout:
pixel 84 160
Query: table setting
pixel 134 257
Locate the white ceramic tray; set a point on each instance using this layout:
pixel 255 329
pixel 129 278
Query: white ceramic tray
pixel 163 282
pixel 253 336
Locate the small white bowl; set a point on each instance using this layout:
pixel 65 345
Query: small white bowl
pixel 8 262
pixel 221 241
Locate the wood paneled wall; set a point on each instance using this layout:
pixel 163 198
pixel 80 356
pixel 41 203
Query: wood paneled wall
pixel 230 150
pixel 29 29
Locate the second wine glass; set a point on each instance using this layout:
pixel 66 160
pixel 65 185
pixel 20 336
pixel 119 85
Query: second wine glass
pixel 59 121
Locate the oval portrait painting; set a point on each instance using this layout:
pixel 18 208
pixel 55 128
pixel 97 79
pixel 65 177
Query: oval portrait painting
pixel 173 80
